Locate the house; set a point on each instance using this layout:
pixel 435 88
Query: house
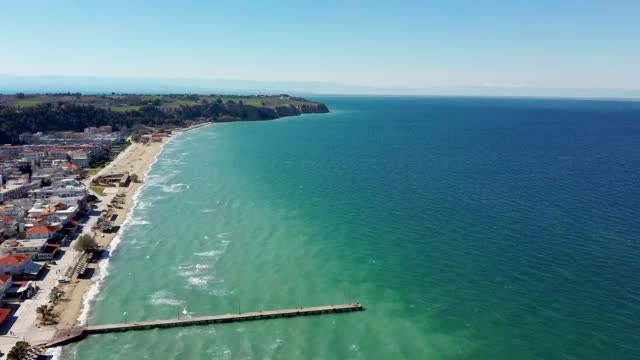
pixel 80 158
pixel 21 266
pixel 15 246
pixel 158 137
pixel 70 168
pixel 57 154
pixel 39 249
pixel 15 190
pixel 30 155
pixel 91 130
pixel 41 232
pixel 9 225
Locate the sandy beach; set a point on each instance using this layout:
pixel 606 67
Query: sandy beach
pixel 136 159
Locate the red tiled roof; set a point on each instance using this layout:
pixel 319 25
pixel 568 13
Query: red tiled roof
pixel 8 219
pixel 4 314
pixel 14 259
pixel 4 279
pixel 39 230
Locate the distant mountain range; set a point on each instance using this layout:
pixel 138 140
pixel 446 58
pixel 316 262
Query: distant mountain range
pixel 10 84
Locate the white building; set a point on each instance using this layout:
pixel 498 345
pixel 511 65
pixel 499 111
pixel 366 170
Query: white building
pixel 14 246
pixel 15 189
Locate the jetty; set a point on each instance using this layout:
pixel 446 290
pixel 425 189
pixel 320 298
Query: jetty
pixel 74 334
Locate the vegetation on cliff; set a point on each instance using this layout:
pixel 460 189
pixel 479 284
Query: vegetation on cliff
pixel 73 112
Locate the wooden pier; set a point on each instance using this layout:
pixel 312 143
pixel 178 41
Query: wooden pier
pixel 70 335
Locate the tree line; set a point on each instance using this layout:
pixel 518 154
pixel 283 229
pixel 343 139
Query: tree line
pixel 64 116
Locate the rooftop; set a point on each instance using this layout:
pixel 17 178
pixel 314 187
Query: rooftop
pixel 14 259
pixel 40 230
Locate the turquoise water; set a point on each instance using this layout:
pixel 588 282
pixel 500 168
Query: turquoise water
pixel 469 228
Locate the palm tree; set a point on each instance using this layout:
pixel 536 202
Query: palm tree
pixel 46 313
pixel 19 351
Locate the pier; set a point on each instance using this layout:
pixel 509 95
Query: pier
pixel 74 334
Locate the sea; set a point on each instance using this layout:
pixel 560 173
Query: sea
pixel 469 228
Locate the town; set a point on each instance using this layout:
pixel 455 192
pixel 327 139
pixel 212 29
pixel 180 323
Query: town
pixel 57 195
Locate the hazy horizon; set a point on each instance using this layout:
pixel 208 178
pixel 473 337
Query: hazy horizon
pixel 10 84
pixel 544 49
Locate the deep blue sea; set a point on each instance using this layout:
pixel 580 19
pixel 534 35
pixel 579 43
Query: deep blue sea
pixel 470 228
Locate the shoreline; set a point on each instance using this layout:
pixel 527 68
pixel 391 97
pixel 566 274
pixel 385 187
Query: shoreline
pixel 80 294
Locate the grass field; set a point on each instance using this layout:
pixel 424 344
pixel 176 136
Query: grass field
pixel 176 103
pixel 91 172
pixel 98 189
pixel 124 108
pixel 27 103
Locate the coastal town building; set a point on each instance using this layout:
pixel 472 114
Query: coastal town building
pixel 15 189
pixel 81 158
pixel 21 266
pixel 9 225
pixel 41 232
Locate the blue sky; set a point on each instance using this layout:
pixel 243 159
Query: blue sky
pixel 395 45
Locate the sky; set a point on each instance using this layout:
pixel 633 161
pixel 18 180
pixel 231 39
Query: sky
pixel 586 46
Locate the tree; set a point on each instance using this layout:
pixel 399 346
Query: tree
pixel 85 242
pixel 25 169
pixel 19 351
pixel 56 295
pixel 134 177
pixel 20 95
pixel 46 314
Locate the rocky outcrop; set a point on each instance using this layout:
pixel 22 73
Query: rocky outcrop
pixel 293 110
pixel 241 112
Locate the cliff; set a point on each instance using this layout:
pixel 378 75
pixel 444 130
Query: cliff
pixel 240 112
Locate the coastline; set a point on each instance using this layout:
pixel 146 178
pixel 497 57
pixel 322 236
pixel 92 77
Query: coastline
pixel 81 293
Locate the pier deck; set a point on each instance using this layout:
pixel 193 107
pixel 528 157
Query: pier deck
pixel 70 335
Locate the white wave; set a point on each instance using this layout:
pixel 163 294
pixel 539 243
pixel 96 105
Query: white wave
pixel 198 281
pixel 174 188
pixel 191 270
pixel 138 222
pixel 164 297
pixel 210 253
pixel 220 292
pixel 161 179
pixel 54 353
pixel 142 205
pixel 208 210
pixel 221 235
pixel 278 343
